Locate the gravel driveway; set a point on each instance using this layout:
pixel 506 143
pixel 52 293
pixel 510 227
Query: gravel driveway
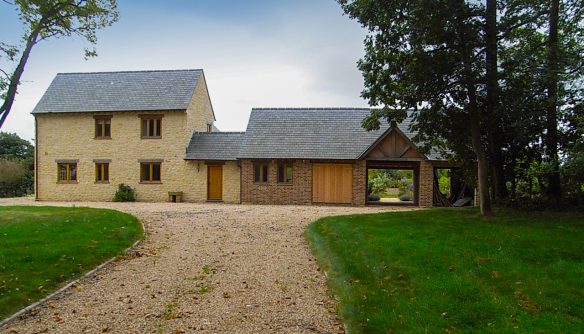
pixel 213 268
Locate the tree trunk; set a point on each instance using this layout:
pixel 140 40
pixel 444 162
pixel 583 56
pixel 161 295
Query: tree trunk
pixel 554 188
pixel 474 113
pixel 15 78
pixel 483 170
pixel 495 158
pixel 475 132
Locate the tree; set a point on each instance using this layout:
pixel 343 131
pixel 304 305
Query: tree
pixel 574 168
pixel 499 189
pixel 16 165
pixel 427 56
pixel 542 52
pixel 554 188
pixel 498 83
pixel 12 147
pixel 45 19
pixel 12 174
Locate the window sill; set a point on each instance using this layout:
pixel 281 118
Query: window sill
pixel 101 182
pixel 67 182
pixel 261 183
pixel 285 183
pixel 150 182
pixel 159 137
pixel 102 138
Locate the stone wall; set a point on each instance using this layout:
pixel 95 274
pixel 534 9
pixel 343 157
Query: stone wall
pixel 231 182
pixel 200 110
pixel 70 136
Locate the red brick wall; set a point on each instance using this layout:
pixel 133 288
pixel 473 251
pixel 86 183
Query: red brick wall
pixel 426 185
pixel 359 182
pixel 300 191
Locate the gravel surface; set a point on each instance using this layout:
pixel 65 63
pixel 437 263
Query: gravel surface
pixel 208 268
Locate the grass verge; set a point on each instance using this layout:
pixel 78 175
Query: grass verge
pixel 449 270
pixel 43 248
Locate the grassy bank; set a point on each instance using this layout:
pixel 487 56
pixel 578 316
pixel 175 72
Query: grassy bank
pixel 43 248
pixel 448 270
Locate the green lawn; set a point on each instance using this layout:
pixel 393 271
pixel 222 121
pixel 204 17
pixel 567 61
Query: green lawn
pixel 43 248
pixel 448 270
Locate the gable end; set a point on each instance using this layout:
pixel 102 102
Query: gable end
pixel 394 145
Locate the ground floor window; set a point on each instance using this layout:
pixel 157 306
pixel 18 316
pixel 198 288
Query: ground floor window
pixel 391 186
pixel 285 172
pixel 67 172
pixel 102 172
pixel 150 172
pixel 260 172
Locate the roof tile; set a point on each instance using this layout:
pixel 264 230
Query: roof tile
pixel 119 91
pixel 214 146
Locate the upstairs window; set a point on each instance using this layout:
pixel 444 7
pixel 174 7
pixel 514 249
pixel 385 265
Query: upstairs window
pixel 150 172
pixel 151 126
pixel 260 173
pixel 285 172
pixel 102 172
pixel 103 127
pixel 67 172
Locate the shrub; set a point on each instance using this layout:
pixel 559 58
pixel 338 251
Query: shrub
pixel 373 198
pixel 541 203
pixel 124 194
pixel 379 183
pixel 407 196
pixel 12 178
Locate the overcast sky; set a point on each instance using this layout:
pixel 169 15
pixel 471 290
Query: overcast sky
pixel 255 53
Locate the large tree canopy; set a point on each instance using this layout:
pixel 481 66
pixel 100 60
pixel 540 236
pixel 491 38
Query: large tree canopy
pixel 495 82
pixel 44 19
pixel 426 56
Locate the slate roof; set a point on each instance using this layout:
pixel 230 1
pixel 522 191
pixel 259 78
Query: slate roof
pixel 317 133
pixel 119 91
pixel 214 146
pixel 312 133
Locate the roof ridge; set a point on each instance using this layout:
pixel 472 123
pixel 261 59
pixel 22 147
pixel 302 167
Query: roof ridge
pixel 311 108
pixel 136 71
pixel 219 132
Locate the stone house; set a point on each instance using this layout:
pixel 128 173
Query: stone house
pixel 154 131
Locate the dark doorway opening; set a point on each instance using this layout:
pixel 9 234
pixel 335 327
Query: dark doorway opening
pixel 450 188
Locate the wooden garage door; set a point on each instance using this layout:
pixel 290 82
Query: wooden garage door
pixel 332 183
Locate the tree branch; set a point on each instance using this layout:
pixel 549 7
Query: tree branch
pixel 6 74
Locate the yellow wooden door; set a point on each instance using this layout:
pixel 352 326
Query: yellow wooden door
pixel 215 183
pixel 332 183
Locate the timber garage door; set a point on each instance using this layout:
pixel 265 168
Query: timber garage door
pixel 332 183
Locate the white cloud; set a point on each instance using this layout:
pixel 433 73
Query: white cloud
pixel 302 58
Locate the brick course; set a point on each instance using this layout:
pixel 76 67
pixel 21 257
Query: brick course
pixel 359 182
pixel 426 184
pixel 300 191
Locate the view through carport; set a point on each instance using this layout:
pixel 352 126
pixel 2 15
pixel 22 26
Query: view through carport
pixel 391 186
